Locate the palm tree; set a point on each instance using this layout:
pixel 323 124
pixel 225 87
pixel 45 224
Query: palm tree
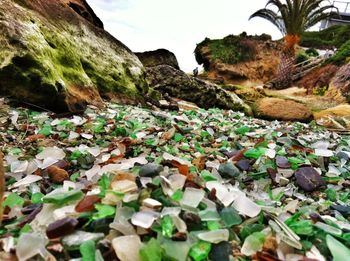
pixel 292 18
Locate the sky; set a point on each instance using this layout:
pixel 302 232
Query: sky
pixel 178 25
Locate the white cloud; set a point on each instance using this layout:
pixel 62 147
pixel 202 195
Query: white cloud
pixel 178 25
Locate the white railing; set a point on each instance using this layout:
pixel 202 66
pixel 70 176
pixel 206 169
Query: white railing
pixel 343 6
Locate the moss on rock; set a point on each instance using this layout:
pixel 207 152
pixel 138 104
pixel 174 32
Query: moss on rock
pixel 176 83
pixel 63 63
pixel 230 50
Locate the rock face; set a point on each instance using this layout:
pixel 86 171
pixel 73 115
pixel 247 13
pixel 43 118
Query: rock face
pixel 176 83
pixel 280 109
pixel 239 59
pixel 340 85
pixel 318 78
pixel 158 57
pixel 82 8
pixel 55 54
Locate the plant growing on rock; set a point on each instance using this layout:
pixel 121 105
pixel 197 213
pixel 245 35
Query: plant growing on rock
pixel 292 18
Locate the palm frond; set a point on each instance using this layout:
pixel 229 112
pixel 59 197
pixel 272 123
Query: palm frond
pixel 293 17
pixel 270 16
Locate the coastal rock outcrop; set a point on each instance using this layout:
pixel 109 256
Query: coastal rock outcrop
pixel 238 59
pixel 340 84
pixel 176 83
pixel 158 57
pixel 55 54
pixel 281 109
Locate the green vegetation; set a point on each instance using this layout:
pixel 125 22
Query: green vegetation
pixel 334 36
pixel 312 52
pixel 320 91
pixel 301 57
pixel 231 50
pixel 342 55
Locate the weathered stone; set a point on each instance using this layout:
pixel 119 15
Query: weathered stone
pixel 176 83
pixel 282 162
pixel 57 174
pixel 150 170
pixel 336 118
pixel 280 109
pixel 158 57
pixel 61 227
pixel 244 164
pixel 82 8
pixel 308 179
pixel 340 84
pixel 240 61
pixel 228 170
pixel 318 78
pixel 55 54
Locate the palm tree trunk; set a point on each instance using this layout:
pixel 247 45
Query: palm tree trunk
pixel 285 70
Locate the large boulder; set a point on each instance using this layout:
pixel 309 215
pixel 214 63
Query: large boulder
pixel 176 83
pixel 282 109
pixel 239 59
pixel 55 54
pixel 339 87
pixel 158 57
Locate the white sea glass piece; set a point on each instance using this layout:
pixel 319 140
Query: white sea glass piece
pixel 73 135
pixel 92 172
pixel 192 197
pixel 19 166
pixel 246 206
pixel 87 136
pixel 27 181
pixel 324 153
pixel 127 248
pixel 215 236
pixel 124 186
pixel 51 152
pixel 151 203
pixel 177 181
pixel 30 245
pixel 144 218
pixel 95 151
pixel 47 162
pixel 79 237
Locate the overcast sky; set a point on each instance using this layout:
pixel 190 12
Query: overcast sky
pixel 178 25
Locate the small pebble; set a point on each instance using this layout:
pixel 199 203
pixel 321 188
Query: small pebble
pixel 244 164
pixel 282 162
pixel 61 227
pixel 228 170
pixel 87 203
pixel 57 174
pixel 308 179
pixel 150 170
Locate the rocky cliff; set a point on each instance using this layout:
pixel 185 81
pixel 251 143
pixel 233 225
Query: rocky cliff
pixel 55 54
pixel 238 59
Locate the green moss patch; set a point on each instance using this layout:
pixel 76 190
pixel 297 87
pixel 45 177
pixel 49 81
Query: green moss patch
pixel 62 63
pixel 230 50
